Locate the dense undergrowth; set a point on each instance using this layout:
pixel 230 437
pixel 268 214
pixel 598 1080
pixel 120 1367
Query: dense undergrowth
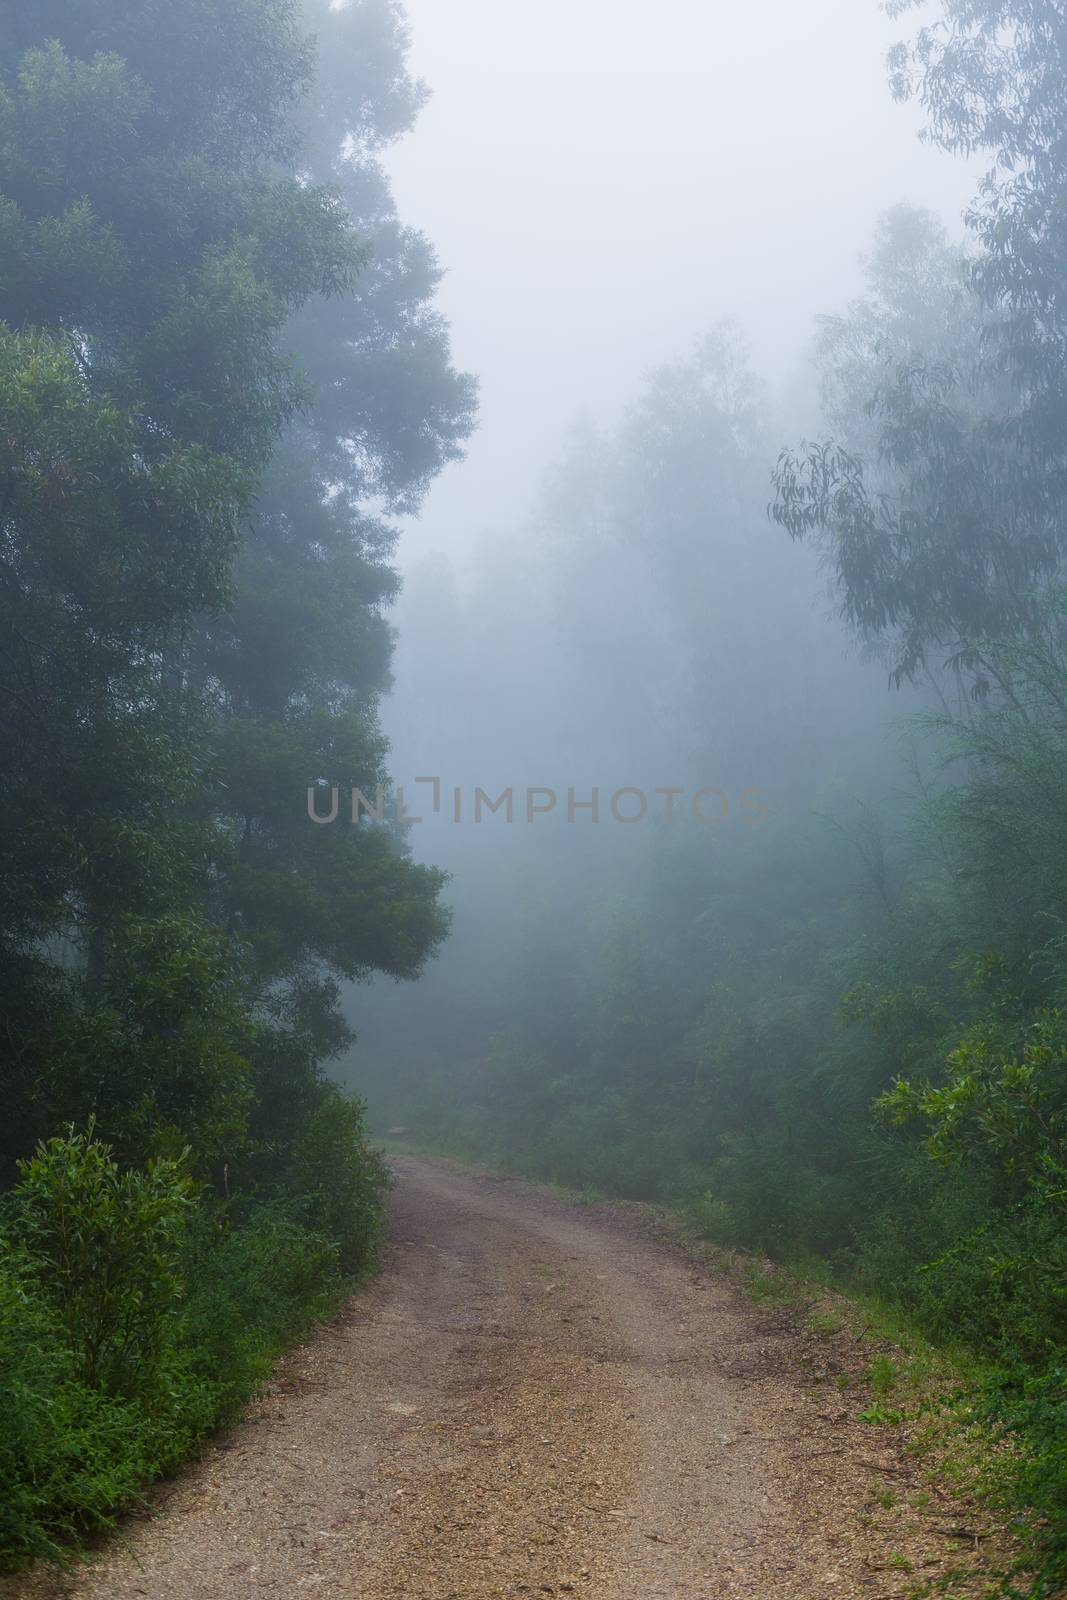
pixel 138 1312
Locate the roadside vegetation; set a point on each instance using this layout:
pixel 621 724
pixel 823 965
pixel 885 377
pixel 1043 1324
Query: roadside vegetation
pixel 218 349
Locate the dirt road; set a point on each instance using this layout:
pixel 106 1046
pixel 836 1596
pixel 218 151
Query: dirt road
pixel 536 1398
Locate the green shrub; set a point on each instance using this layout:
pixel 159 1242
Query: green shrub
pixel 137 1314
pixel 1033 1407
pixel 254 1289
pixel 71 1454
pixel 711 1219
pixel 338 1182
pixel 104 1246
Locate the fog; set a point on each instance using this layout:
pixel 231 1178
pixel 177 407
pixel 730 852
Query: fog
pixel 642 218
pixel 603 182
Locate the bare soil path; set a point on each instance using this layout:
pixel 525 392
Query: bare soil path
pixel 535 1398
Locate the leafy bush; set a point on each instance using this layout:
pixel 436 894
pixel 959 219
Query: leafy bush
pixel 254 1288
pixel 136 1315
pixel 68 1454
pixel 104 1245
pixel 1033 1406
pixel 339 1181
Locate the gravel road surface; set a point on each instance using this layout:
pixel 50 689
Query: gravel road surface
pixel 535 1398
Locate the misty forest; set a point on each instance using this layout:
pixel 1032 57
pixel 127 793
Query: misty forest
pixel 534 898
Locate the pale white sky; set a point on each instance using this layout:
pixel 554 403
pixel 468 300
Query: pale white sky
pixel 604 179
